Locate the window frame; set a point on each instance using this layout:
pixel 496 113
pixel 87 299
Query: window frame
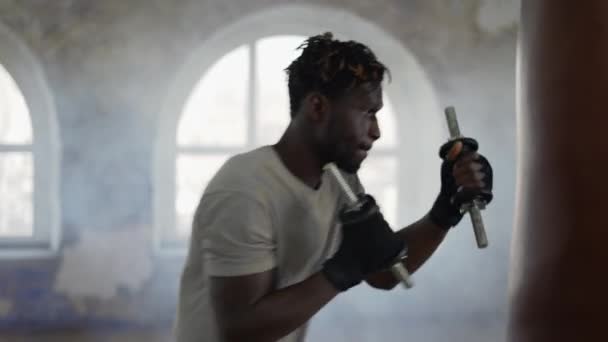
pixel 252 117
pixel 306 20
pixel 27 73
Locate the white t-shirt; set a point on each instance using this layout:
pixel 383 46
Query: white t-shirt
pixel 255 215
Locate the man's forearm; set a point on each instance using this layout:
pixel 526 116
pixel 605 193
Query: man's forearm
pixel 422 238
pixel 280 312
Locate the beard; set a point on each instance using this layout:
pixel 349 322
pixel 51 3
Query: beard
pixel 344 162
pixel 344 157
pixel 348 165
pixel 339 149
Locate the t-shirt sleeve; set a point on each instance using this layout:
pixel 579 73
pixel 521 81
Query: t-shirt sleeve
pixel 238 236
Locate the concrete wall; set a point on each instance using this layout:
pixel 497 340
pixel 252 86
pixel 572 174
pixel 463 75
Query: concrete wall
pixel 109 65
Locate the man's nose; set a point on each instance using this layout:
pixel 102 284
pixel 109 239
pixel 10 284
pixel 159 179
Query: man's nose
pixel 374 130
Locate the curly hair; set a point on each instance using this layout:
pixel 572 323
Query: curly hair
pixel 332 68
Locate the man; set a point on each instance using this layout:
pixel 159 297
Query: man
pixel 271 242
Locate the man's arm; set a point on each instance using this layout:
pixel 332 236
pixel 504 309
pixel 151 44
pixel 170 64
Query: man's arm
pixel 238 251
pixel 461 168
pixel 248 308
pixel 422 238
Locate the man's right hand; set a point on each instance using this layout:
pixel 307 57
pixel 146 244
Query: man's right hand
pixel 368 245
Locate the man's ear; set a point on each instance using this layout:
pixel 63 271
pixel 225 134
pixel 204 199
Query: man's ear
pixel 318 107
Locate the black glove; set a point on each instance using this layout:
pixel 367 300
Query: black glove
pixel 446 209
pixel 368 245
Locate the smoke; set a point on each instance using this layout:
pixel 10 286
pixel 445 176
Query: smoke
pixel 109 87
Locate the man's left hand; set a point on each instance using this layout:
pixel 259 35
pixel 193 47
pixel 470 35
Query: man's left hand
pixel 465 175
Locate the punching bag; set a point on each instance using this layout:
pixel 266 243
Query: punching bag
pixel 558 278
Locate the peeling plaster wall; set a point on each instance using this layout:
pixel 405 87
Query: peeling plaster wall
pixel 109 63
pixel 123 256
pixel 494 16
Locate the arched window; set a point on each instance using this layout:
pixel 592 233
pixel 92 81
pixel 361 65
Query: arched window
pixel 16 162
pixel 29 205
pixel 239 101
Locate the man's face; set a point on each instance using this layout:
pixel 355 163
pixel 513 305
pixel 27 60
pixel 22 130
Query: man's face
pixel 353 126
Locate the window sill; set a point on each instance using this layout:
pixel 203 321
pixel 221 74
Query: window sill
pixel 11 250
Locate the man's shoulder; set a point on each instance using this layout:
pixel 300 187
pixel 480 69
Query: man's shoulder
pixel 241 172
pixel 252 156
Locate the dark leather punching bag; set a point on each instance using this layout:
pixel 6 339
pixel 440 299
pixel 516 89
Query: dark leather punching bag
pixel 559 267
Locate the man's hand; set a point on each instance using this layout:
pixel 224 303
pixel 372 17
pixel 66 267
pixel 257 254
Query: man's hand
pixel 465 175
pixel 368 245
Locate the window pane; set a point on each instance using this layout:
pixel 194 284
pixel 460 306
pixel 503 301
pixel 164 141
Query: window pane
pixel 193 173
pixel 388 125
pixel 15 125
pixel 16 187
pixel 216 112
pixel 379 177
pixel 274 54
